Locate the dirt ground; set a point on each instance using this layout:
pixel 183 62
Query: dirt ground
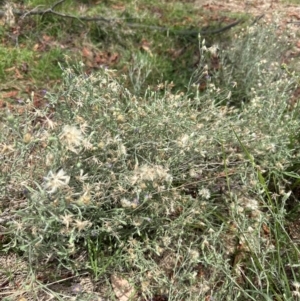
pixel 271 10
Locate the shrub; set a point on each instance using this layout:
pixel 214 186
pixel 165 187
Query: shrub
pixel 166 187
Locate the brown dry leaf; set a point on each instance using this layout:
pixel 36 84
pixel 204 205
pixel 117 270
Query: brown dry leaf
pixel 147 49
pixel 99 58
pixel 36 47
pixel 114 58
pixel 266 229
pixel 122 288
pixel 118 6
pixel 212 7
pixel 295 15
pixel 10 94
pixel 47 38
pixel 10 69
pixel 88 53
pixel 146 46
pixel 175 53
pixel 18 74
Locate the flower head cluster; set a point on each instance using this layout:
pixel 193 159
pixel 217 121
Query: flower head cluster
pixel 150 173
pixel 54 181
pixel 71 137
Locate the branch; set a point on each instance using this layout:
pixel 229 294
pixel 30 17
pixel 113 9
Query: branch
pixel 51 10
pixel 202 32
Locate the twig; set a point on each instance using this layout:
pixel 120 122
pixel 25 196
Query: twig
pixel 257 19
pixel 188 32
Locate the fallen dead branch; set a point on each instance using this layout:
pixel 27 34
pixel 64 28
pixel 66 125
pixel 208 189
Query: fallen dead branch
pixel 51 10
